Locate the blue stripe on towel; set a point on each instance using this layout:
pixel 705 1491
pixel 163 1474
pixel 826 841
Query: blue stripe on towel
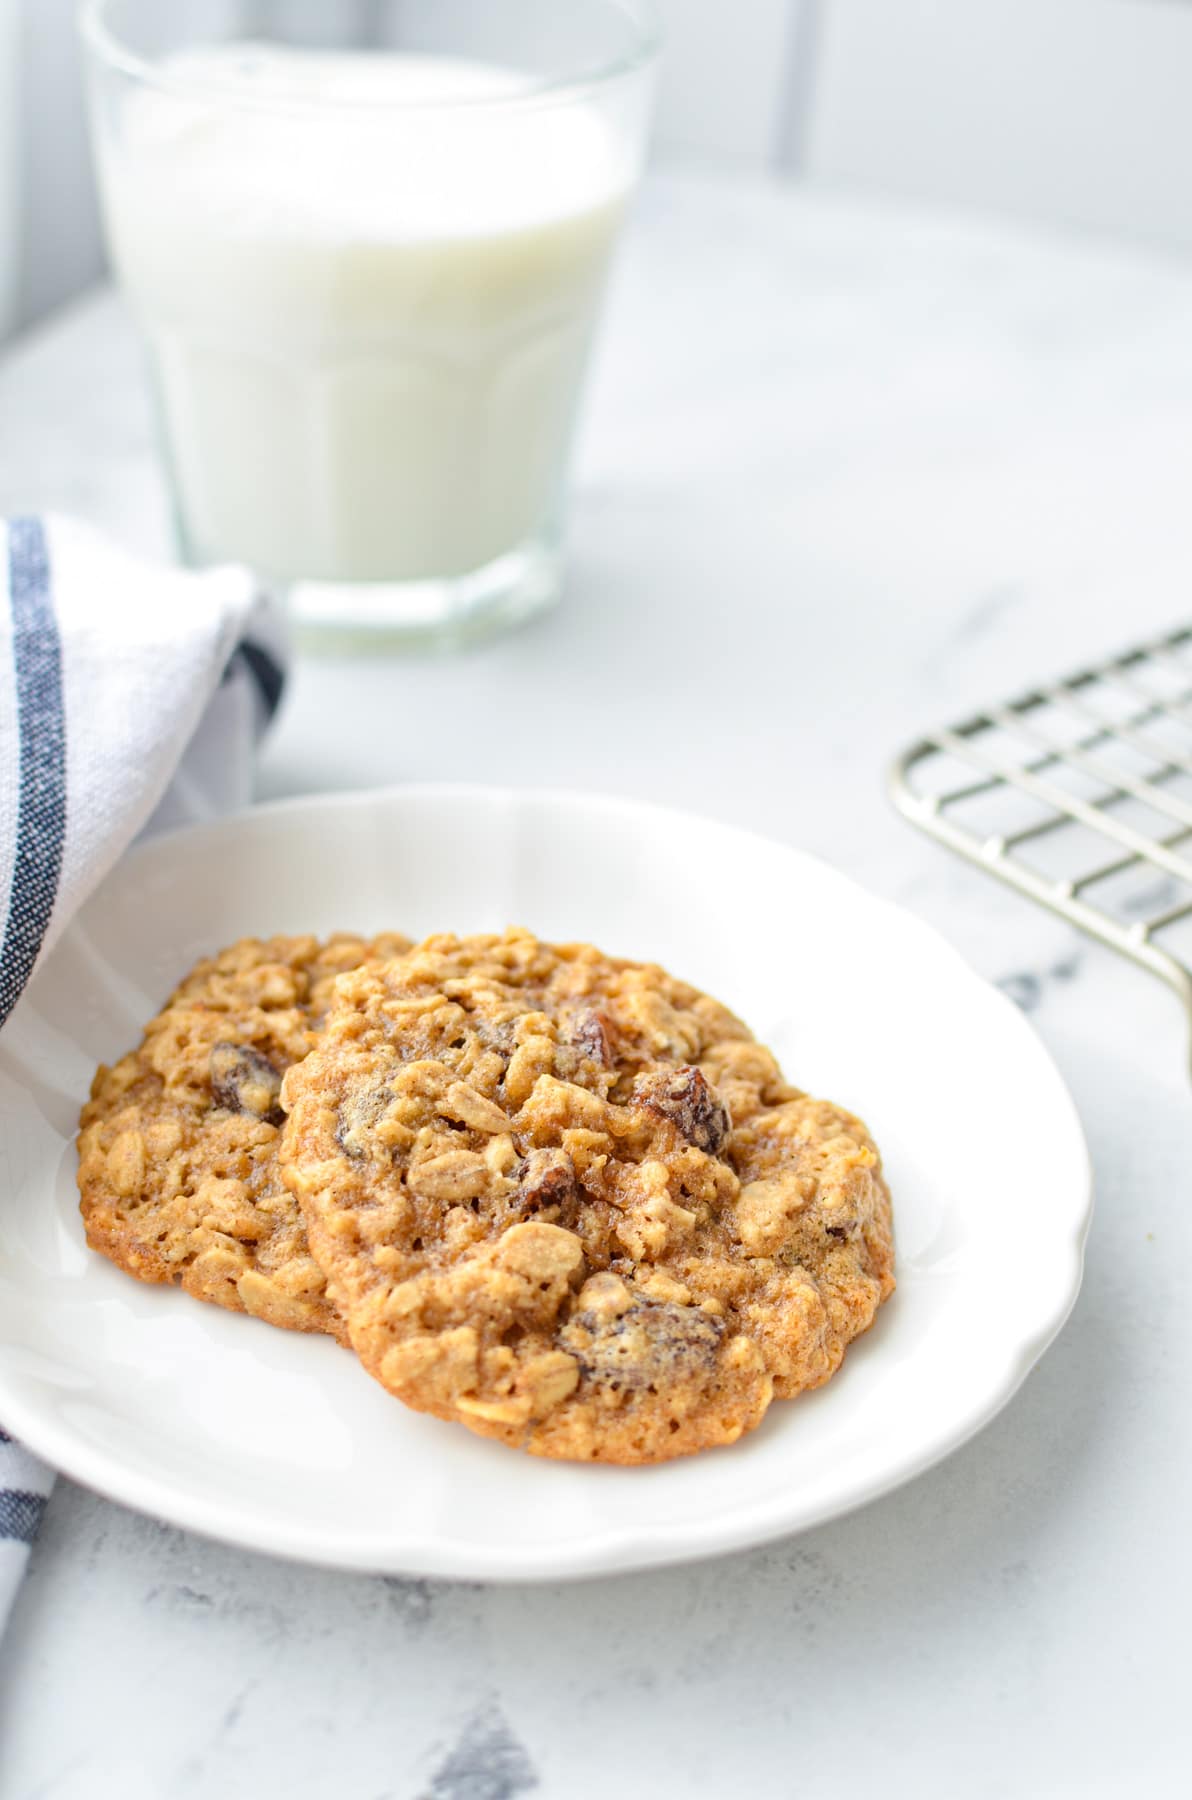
pixel 265 670
pixel 20 1514
pixel 41 726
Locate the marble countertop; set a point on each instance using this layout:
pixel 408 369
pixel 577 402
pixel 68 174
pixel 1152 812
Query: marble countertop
pixel 845 470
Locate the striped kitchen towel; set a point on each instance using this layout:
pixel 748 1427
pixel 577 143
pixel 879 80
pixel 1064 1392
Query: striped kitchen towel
pixel 131 697
pixel 24 1489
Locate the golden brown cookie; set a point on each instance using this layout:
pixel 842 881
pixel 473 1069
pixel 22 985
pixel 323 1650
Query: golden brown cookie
pixel 178 1142
pixel 568 1200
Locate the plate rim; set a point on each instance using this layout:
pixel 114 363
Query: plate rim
pixel 617 1551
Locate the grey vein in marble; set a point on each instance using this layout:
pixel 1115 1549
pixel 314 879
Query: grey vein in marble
pixel 486 1762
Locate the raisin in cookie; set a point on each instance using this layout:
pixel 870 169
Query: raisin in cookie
pixel 178 1142
pixel 568 1200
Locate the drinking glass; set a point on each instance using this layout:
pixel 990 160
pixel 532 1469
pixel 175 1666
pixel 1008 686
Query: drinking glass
pixel 366 244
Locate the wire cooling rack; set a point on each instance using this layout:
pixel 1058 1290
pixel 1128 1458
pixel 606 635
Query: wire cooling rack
pixel 1079 794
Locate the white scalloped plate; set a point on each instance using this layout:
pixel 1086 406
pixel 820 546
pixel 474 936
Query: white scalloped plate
pixel 281 1442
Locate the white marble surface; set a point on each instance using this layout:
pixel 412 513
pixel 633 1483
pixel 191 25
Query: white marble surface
pixel 845 470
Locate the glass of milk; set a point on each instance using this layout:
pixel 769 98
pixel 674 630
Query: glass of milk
pixel 366 241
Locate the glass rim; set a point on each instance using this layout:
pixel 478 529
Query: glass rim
pixel 108 49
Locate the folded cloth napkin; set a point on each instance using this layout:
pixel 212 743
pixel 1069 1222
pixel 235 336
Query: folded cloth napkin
pixel 131 697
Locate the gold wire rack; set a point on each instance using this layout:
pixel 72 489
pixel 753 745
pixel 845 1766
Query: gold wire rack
pixel 1079 794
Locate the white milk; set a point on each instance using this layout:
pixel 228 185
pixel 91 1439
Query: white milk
pixel 368 324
